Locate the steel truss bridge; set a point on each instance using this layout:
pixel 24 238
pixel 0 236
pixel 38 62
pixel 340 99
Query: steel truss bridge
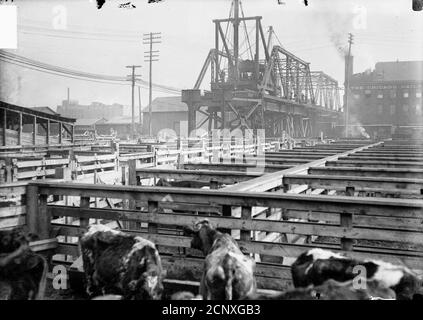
pixel 254 85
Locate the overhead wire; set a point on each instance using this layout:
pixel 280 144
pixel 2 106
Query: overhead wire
pixel 65 72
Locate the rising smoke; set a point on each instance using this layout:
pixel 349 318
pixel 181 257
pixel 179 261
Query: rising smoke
pixel 338 19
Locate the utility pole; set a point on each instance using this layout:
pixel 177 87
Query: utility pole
pixel 150 39
pixel 133 78
pixel 347 83
pixel 68 96
pixel 140 111
pixel 236 39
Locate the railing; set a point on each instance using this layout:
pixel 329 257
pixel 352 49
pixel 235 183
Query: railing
pixel 346 219
pixel 12 205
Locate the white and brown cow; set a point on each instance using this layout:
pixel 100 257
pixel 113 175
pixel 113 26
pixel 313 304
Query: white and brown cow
pixel 228 274
pixel 23 272
pixel 316 266
pixel 121 264
pixel 332 290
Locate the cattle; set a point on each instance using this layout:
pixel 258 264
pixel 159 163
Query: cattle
pixel 315 266
pixel 118 263
pixel 23 272
pixel 228 274
pixel 333 290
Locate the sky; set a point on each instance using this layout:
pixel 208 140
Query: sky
pixel 75 34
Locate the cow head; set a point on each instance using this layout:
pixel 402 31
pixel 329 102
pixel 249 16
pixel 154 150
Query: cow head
pixel 148 285
pixel 11 240
pixel 203 235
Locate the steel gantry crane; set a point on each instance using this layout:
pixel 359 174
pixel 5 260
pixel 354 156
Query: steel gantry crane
pixel 255 86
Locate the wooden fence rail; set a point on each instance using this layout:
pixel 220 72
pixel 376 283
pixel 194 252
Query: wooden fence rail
pixel 391 185
pixel 344 218
pixel 368 172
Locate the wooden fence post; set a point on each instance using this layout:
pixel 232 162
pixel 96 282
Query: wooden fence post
pixel 153 209
pixel 286 186
pixel 132 181
pixel 2 173
pixel 61 173
pixel 8 163
pixel 72 165
pixel 83 221
pixel 44 218
pixel 14 169
pixel 246 215
pixel 226 212
pixel 125 202
pixel 32 208
pixel 347 222
pixel 123 172
pixel 132 169
pixel 154 150
pixel 214 184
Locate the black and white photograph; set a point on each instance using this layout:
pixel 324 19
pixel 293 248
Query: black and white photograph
pixel 243 150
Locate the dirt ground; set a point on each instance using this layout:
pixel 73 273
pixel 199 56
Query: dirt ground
pixel 62 294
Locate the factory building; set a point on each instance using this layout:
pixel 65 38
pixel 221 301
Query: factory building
pixel 388 98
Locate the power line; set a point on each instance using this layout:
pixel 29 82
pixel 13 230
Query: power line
pixel 79 75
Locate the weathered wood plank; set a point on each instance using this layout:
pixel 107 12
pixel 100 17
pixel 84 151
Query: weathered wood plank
pixel 375 164
pixel 228 177
pixel 230 223
pixel 368 172
pixel 373 206
pixel 234 167
pixel 274 180
pixel 316 181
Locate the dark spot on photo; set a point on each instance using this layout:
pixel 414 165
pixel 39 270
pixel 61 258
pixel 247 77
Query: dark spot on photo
pixel 417 5
pixel 100 3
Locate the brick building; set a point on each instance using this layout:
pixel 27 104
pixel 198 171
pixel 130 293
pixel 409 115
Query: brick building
pixel 388 97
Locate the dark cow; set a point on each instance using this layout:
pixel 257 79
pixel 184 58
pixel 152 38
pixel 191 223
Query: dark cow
pixel 228 274
pixel 22 272
pixel 333 290
pixel 122 264
pixel 315 266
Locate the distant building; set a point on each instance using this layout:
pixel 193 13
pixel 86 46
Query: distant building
pixel 169 114
pixel 120 125
pixel 33 126
pixel 93 111
pixel 387 97
pixel 83 125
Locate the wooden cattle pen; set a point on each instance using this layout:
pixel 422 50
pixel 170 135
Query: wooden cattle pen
pixel 20 127
pixel 363 198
